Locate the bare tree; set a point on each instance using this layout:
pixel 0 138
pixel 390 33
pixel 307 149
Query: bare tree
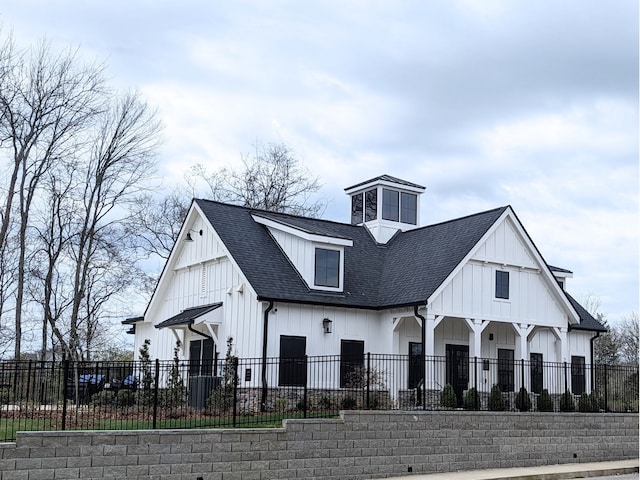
pixel 44 100
pixel 271 178
pixel 628 331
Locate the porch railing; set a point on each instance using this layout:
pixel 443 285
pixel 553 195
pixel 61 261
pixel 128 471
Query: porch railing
pixel 39 395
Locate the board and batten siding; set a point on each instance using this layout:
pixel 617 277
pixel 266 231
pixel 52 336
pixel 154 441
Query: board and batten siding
pixel 203 273
pixel 471 292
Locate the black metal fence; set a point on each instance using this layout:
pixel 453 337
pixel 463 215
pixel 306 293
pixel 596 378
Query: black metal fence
pixel 39 395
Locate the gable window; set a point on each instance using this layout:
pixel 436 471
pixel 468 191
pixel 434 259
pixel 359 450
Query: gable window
pixel 371 205
pixel 502 284
pixel 390 204
pixel 409 208
pixel 351 363
pixel 356 209
pixel 293 361
pixel 327 268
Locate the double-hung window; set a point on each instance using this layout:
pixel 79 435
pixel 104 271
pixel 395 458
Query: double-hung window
pixel 327 268
pixel 502 284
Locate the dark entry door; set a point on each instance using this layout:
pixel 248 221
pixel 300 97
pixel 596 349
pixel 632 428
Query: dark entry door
pixel 416 366
pixel 458 369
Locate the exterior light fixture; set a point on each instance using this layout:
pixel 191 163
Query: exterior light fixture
pixel 189 238
pixel 326 325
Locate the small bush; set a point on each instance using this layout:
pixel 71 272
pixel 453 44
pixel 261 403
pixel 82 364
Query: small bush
pixel 496 400
pixel 523 402
pixel 103 398
pixel 325 403
pixel 125 398
pixel 545 402
pixel 471 400
pixel 280 404
pixel 348 403
pixel 588 403
pixel 221 400
pixel 448 397
pixel 567 403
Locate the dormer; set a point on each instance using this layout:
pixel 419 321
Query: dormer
pixel 385 204
pixel 561 275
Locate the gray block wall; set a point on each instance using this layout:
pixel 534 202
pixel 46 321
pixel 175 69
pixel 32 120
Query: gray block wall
pixel 359 445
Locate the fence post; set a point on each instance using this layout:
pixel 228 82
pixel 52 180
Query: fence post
pixel 155 394
pixel 606 391
pixel 368 378
pixel 306 381
pixel 235 389
pixel 476 397
pixel 565 378
pixel 65 381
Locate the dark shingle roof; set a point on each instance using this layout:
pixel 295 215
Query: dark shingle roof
pixel 188 316
pixel 406 271
pixel 559 270
pixel 587 322
pixel 387 178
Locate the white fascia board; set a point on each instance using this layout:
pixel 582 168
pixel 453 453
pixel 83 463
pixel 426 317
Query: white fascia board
pixel 169 268
pixel 384 183
pixel 311 237
pixel 557 290
pixel 561 274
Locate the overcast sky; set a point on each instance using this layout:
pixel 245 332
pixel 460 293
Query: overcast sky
pixel 526 103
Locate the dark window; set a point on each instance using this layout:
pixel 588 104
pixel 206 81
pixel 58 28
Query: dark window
pixel 457 369
pixel 356 209
pixel 577 375
pixel 502 284
pixel 409 208
pixel 293 361
pixel 505 370
pixel 416 366
pixel 327 273
pixel 536 373
pixel 390 204
pixel 371 205
pixel 351 364
pixel 201 353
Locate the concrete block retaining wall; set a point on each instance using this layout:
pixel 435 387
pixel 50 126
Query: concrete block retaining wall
pixel 359 445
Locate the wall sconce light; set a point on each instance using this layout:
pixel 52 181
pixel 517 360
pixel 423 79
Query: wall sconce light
pixel 326 325
pixel 189 238
pixel 490 336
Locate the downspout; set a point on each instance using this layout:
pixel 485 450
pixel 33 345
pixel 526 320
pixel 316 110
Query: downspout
pixel 265 332
pixel 423 360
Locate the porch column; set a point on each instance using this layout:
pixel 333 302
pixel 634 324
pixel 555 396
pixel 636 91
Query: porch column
pixel 523 330
pixel 476 327
pixel 429 333
pixel 561 343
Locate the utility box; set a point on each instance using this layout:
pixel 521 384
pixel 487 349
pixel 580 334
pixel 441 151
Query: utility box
pixel 200 389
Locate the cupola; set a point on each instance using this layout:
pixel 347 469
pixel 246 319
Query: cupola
pixel 385 204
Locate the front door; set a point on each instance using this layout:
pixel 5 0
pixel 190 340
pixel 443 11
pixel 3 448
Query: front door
pixel 458 369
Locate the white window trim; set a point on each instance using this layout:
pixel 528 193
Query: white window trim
pixel 311 280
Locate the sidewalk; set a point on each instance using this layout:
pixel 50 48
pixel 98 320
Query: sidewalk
pixel 547 472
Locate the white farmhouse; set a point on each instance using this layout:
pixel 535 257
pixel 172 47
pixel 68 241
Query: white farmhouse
pixel 287 286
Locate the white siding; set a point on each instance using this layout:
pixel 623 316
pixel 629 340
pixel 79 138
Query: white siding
pixel 471 292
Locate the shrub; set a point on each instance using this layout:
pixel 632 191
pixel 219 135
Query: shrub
pixel 567 403
pixel 471 400
pixel 448 397
pixel 588 403
pixel 545 402
pixel 523 402
pixel 280 404
pixel 221 399
pixel 496 400
pixel 125 398
pixel 103 398
pixel 348 403
pixel 325 403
